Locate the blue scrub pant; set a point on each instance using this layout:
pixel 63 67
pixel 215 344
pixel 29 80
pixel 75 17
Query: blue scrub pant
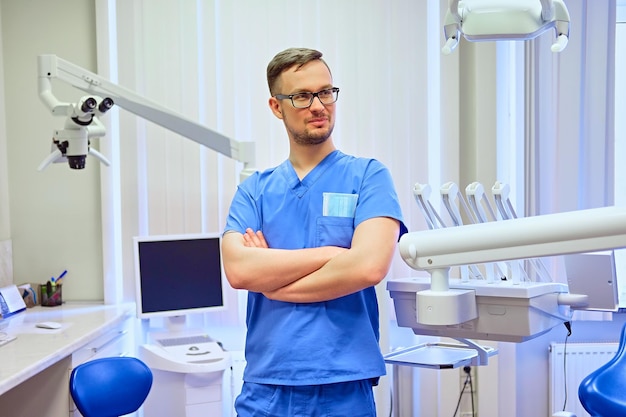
pixel 344 399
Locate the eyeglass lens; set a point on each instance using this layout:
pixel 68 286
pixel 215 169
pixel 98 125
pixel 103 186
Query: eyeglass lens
pixel 302 100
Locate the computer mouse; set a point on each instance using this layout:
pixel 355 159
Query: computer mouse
pixel 49 325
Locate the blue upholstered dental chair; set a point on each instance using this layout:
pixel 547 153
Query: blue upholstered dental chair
pixel 603 392
pixel 110 387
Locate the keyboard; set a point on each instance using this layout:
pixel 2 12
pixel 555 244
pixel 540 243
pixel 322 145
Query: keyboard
pixel 185 340
pixel 6 339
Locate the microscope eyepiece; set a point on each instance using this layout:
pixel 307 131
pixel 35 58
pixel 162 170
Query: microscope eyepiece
pixel 88 105
pixel 105 104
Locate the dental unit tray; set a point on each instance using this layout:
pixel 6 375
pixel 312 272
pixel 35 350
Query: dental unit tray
pixel 507 311
pixel 441 355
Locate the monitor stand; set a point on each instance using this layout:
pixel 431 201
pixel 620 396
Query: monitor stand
pixel 176 324
pixel 170 327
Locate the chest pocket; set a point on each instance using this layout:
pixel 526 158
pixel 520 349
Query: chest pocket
pixel 334 231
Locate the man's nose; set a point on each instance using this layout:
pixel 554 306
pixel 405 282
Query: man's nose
pixel 317 104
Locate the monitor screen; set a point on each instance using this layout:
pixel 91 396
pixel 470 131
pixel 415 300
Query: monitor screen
pixel 593 274
pixel 177 275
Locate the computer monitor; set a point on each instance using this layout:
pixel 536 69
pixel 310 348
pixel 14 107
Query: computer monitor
pixel 593 274
pixel 177 275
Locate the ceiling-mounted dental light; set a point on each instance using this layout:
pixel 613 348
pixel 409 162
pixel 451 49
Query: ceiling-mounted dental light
pixel 494 20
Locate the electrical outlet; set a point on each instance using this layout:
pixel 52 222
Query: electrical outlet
pixel 467 389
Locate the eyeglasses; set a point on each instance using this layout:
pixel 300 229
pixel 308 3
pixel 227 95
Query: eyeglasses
pixel 304 100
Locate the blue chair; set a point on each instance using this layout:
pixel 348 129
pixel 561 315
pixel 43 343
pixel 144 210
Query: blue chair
pixel 110 387
pixel 603 392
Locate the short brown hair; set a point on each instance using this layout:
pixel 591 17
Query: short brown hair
pixel 287 59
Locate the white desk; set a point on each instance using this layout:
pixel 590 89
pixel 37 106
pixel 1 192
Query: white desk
pixel 36 351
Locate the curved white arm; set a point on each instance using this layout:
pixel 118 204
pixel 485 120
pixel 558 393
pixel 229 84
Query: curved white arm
pixel 99 156
pixel 527 237
pixel 54 156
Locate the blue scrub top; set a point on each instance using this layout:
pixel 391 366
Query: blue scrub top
pixel 325 342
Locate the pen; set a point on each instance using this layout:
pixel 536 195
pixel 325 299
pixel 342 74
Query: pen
pixel 60 277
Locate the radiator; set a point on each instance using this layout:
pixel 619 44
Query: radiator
pixel 579 359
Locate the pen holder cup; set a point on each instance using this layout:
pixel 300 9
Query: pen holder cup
pixel 52 296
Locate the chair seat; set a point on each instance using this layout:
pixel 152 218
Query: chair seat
pixel 603 392
pixel 110 387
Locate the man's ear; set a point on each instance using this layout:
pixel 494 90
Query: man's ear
pixel 275 107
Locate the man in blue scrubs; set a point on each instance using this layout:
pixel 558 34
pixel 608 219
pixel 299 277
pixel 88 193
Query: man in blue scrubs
pixel 309 239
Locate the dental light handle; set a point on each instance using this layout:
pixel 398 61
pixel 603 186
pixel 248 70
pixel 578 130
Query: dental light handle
pixel 450 45
pixel 560 43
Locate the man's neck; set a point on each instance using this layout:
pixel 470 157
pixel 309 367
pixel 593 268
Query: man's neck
pixel 305 158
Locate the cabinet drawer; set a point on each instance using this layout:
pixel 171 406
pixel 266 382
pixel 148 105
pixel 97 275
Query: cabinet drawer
pixel 115 342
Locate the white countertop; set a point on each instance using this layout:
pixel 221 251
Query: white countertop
pixel 36 349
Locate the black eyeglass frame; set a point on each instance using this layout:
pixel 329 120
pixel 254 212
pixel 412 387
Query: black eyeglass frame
pixel 335 91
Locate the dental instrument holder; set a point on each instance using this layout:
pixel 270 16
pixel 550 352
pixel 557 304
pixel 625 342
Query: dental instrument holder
pixel 506 310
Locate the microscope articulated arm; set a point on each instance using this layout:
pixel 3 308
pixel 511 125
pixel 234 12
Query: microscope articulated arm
pixel 51 66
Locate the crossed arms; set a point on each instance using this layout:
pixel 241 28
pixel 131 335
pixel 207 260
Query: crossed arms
pixel 313 274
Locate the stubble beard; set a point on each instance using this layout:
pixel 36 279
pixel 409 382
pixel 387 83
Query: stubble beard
pixel 308 137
